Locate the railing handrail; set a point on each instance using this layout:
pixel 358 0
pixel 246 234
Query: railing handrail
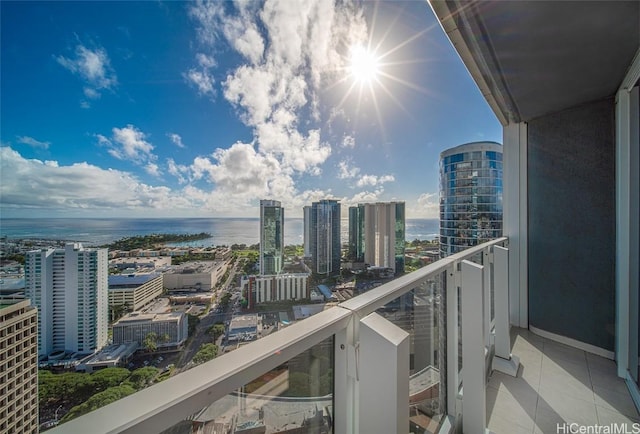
pixel 188 392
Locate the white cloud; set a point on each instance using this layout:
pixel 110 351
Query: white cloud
pixel 91 93
pixel 33 142
pixel 292 49
pixel 205 61
pixel 132 144
pixel 374 180
pixel 426 206
pixel 93 67
pixel 176 139
pixel 177 170
pixel 201 80
pixel 346 172
pixel 49 186
pixel 348 141
pixel 152 169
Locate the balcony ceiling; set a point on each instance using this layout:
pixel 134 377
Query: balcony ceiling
pixel 531 58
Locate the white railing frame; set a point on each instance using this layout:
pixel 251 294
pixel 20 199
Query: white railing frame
pixel 162 405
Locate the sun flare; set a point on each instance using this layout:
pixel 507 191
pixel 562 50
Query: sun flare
pixel 363 65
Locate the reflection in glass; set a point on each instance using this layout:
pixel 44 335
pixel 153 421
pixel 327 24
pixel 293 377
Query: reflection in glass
pixel 294 398
pixel 420 312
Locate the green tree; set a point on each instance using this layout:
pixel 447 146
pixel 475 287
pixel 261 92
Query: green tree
pixel 150 342
pixel 142 377
pixel 99 400
pixel 205 353
pixel 216 330
pixel 109 377
pixel 192 321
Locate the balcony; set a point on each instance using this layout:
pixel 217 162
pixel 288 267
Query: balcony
pixel 432 350
pixel 413 355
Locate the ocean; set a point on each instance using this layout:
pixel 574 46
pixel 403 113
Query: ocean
pixel 224 231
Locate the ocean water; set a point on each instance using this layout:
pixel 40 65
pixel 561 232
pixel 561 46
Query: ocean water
pixel 224 231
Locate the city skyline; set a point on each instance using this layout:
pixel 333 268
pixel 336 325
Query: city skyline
pixel 202 109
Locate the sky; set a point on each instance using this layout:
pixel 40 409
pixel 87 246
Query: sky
pixel 201 109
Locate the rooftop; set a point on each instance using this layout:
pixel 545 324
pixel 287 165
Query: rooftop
pixel 140 317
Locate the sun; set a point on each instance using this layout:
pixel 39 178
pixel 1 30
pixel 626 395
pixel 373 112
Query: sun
pixel 364 65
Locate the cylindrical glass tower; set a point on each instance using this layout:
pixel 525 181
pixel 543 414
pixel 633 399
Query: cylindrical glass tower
pixel 470 196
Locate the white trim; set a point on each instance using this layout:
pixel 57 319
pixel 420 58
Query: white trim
pixel 474 397
pixel 633 73
pixel 623 226
pixel 573 343
pixel 515 214
pixel 383 381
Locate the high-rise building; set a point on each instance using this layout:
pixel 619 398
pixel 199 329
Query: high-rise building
pixel 70 289
pixel 307 231
pixel 325 237
pixel 18 368
pixel 356 233
pixel 470 196
pixel 377 234
pixel 271 237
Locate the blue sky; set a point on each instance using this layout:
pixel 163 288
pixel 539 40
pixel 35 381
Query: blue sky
pixel 195 109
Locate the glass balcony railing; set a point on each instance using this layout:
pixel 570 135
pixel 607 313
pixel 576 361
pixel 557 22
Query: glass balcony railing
pixel 389 360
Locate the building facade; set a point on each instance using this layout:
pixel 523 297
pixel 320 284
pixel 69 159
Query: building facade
pixel 171 329
pixel 271 237
pixel 18 368
pixel 377 234
pixel 306 235
pixel 356 233
pixel 130 292
pixel 195 276
pixel 470 196
pixel 264 289
pixel 325 237
pixel 69 287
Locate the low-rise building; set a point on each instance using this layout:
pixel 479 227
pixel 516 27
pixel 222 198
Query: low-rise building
pixel 139 263
pixel 244 328
pixel 108 357
pixel 195 276
pixel 281 287
pixel 171 329
pixel 131 292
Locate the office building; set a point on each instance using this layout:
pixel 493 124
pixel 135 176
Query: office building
pixel 470 196
pixel 271 237
pixel 195 276
pixel 18 368
pixel 356 233
pixel 130 292
pixel 280 287
pixel 376 234
pixel 69 287
pixel 171 329
pixel 307 231
pixel 325 237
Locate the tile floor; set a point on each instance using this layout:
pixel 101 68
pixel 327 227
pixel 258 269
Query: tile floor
pixel 556 384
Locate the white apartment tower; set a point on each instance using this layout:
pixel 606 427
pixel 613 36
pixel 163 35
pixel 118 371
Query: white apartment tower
pixel 70 289
pixel 384 235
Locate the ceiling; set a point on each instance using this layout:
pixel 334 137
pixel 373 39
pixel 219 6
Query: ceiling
pixel 531 58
